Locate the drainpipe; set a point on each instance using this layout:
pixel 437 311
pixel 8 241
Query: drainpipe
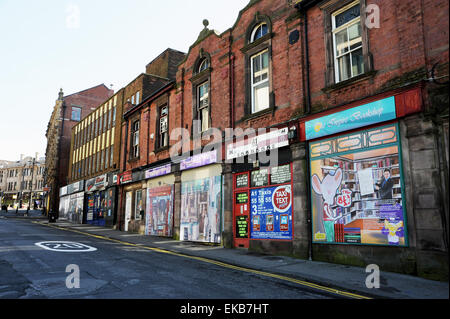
pixel 231 84
pixel 302 8
pixel 306 46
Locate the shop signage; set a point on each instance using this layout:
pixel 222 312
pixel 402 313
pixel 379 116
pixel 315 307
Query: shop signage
pixel 126 177
pixel 63 191
pixel 280 174
pixel 271 211
pixel 242 181
pixel 242 226
pixel 242 198
pixel 364 115
pixel 158 171
pixel 199 160
pixel 100 182
pixel 260 178
pixel 75 187
pixel 261 143
pixel 96 183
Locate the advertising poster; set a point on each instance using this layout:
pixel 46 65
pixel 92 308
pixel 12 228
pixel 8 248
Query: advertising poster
pixel 159 214
pixel 201 210
pixel 357 195
pixel 271 213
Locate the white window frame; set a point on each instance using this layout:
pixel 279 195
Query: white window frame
pixel 136 129
pixel 203 65
pixel 201 105
pixel 266 80
pixel 349 52
pixel 78 110
pixel 255 29
pixel 163 129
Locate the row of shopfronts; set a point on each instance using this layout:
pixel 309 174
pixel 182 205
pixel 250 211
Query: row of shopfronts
pixel 355 185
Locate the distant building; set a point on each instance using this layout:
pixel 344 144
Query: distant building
pixel 22 182
pixel 68 111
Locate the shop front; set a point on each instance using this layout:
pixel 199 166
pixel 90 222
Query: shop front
pixel 111 200
pixel 96 200
pixel 159 216
pixel 134 190
pixel 262 190
pixel 356 176
pixel 71 203
pixel 201 198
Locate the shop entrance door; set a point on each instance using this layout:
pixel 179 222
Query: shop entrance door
pixel 128 209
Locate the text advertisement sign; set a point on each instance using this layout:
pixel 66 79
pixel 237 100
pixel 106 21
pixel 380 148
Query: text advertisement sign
pixel 271 213
pixel 364 115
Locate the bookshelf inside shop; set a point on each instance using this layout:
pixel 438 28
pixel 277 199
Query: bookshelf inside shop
pixel 363 207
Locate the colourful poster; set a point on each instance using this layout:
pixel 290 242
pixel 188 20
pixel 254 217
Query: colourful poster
pixel 159 214
pixel 271 211
pixel 357 189
pixel 201 210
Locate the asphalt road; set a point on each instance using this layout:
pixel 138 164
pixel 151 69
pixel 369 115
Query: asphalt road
pixel 116 270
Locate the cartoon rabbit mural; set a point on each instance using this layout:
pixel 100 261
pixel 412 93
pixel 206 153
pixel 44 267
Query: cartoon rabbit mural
pixel 327 188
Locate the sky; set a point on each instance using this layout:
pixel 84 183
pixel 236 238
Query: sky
pixel 74 45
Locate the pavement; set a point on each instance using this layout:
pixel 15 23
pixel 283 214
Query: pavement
pixel 340 277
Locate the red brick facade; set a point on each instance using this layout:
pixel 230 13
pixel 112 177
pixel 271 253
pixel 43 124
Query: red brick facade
pixel 397 57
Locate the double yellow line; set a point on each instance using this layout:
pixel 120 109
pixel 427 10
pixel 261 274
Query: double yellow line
pixel 218 263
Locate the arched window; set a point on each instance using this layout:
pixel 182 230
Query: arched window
pixel 259 31
pixel 203 65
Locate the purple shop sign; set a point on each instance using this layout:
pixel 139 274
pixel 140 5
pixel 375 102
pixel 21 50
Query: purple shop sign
pixel 199 160
pixel 158 171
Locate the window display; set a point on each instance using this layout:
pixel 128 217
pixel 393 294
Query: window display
pixel 356 183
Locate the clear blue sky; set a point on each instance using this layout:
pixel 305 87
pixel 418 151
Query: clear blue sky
pixel 51 44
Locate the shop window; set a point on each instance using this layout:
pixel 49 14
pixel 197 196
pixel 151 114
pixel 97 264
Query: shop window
pixel 159 210
pixel 139 205
pixel 357 189
pixel 270 197
pixel 201 213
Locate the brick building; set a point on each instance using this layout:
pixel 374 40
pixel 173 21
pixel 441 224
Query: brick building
pixel 309 128
pixel 22 182
pixel 145 138
pixel 376 111
pixel 67 112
